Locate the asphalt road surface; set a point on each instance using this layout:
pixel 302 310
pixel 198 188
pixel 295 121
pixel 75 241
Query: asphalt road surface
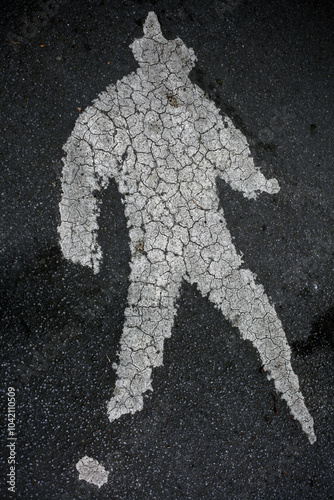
pixel 90 409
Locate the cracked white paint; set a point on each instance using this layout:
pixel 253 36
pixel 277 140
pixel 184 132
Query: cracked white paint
pixel 91 471
pixel 165 142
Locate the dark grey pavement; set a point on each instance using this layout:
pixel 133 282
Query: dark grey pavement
pixel 214 427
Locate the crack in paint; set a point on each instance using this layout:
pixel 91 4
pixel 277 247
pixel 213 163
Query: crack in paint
pixel 165 143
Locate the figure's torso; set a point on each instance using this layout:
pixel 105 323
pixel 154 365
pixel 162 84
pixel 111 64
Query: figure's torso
pixel 168 138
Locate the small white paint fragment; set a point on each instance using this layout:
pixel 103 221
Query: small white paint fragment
pixel 165 143
pixel 91 471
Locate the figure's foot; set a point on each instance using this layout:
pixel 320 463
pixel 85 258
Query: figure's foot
pixel 122 403
pixel 286 382
pixel 128 395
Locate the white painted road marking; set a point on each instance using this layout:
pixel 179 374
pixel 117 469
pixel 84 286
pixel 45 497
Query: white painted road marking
pixel 165 143
pixel 91 471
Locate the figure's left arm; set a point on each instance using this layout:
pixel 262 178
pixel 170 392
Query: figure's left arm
pixel 235 165
pixel 93 155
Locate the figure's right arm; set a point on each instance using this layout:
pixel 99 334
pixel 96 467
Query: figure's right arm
pixel 234 163
pixel 93 153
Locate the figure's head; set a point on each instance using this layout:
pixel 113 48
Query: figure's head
pixel 166 56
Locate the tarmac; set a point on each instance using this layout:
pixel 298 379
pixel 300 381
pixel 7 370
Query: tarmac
pixel 213 426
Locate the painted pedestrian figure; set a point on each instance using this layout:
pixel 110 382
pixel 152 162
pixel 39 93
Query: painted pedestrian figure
pixel 165 143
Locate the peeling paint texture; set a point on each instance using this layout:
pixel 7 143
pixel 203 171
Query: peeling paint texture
pixel 91 471
pixel 165 143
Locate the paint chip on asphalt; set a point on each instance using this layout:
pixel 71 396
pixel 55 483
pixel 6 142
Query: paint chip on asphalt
pixel 91 471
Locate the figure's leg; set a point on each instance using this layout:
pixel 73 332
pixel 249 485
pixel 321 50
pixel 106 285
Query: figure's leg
pixel 217 273
pixel 149 319
pixel 246 305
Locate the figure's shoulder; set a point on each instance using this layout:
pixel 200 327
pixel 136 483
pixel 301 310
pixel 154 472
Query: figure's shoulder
pixel 129 83
pixel 106 100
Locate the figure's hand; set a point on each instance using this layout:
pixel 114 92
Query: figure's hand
pixel 256 184
pixel 240 172
pixel 272 186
